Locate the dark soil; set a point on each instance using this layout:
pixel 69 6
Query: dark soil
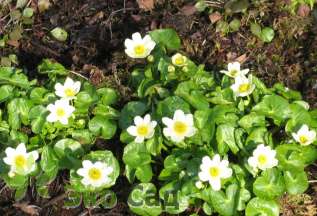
pixel 97 30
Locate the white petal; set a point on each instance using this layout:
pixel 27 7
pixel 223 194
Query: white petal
pixel 226 173
pixel 130 53
pixel 51 117
pixel 235 66
pixel 295 136
pixel 206 160
pixel 51 107
pixel 191 132
pixel 87 164
pixel 128 43
pixel 147 119
pixel 10 152
pixel 77 86
pixel 203 176
pixel 82 172
pixel 176 138
pixel 153 124
pixel 85 181
pixel 150 134
pixel 34 154
pixel 138 120
pixel 132 130
pixel 69 82
pixel 167 121
pixel 7 160
pixel 136 37
pixel 215 184
pixel 64 121
pixel 21 149
pixel 244 71
pixel 167 132
pixel 189 119
pixel 179 115
pixel 108 170
pixel 139 139
pixel 216 159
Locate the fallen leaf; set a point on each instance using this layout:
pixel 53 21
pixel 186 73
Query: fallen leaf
pixel 303 10
pixel 28 209
pixel 146 5
pixel 214 17
pixel 188 10
pixel 242 58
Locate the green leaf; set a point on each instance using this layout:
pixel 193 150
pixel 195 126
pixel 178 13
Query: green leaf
pixel 269 185
pixel 135 155
pixel 225 138
pixel 289 157
pixel 72 200
pixel 49 67
pixel 68 147
pixel 166 37
pixel 37 116
pixel 102 126
pixel 6 92
pixel 143 200
pixel 188 91
pixel 83 136
pixel 168 106
pixel 206 125
pixel 49 161
pixel 225 203
pixel 108 96
pixel 296 182
pixel 252 120
pixel 267 34
pixel 275 107
pixel 258 206
pixel 129 111
pixel 59 34
pixel 14 77
pixel 37 95
pixel 144 173
pixel 84 100
pixel 256 29
pixel 18 110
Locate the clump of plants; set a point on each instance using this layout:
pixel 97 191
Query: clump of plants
pixel 51 125
pixel 227 143
pixel 214 141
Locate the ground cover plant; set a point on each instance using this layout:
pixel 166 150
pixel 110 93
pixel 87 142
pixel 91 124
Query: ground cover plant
pixel 158 108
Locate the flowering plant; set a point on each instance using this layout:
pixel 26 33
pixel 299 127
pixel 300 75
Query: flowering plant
pixel 228 143
pixel 54 123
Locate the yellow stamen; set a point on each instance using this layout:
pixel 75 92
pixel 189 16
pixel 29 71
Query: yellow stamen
pixel 94 174
pixel 139 49
pixel 303 139
pixel 60 112
pixel 262 159
pixel 20 161
pixel 180 127
pixel 179 60
pixel 214 171
pixel 142 130
pixel 244 87
pixel 69 92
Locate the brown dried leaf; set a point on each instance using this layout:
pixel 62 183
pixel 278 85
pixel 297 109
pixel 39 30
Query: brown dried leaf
pixel 146 5
pixel 28 209
pixel 303 10
pixel 214 17
pixel 242 58
pixel 188 10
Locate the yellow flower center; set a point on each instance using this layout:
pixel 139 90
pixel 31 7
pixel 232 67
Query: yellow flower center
pixel 139 49
pixel 179 60
pixel 143 130
pixel 303 139
pixel 60 112
pixel 233 72
pixel 94 174
pixel 180 127
pixel 262 159
pixel 214 172
pixel 244 87
pixel 20 161
pixel 69 92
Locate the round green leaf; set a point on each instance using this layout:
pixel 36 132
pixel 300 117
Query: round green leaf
pixel 102 126
pixel 262 207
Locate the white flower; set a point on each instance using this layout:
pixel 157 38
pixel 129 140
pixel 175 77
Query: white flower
pixel 68 90
pixel 234 70
pixel 20 161
pixel 94 174
pixel 179 127
pixel 143 128
pixel 60 111
pixel 263 158
pixel 139 47
pixel 179 60
pixel 213 170
pixel 199 184
pixel 243 86
pixel 304 136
